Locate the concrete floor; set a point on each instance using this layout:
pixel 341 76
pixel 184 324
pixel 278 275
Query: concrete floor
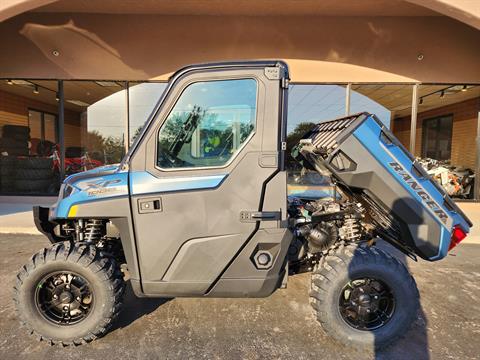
pixel 16 213
pixel 281 326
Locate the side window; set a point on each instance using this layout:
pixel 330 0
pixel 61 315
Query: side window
pixel 209 123
pixel 437 137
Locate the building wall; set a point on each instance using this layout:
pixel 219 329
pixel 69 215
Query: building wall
pixel 14 111
pixel 467 11
pixel 464 132
pixel 317 49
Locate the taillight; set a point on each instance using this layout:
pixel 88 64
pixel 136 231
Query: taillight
pixel 457 236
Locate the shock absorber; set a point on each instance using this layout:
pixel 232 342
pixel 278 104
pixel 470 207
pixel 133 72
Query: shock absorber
pixel 350 230
pixel 94 230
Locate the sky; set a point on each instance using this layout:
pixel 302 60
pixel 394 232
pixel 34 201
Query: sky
pixel 318 103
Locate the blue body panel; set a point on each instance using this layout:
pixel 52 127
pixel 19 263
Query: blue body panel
pixel 86 190
pixel 109 182
pixel 386 153
pixel 142 182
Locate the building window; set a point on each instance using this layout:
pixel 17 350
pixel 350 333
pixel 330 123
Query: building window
pixel 43 128
pixel 142 99
pixel 95 122
pixel 437 137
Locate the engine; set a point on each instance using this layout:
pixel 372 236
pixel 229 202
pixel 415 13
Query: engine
pixel 319 224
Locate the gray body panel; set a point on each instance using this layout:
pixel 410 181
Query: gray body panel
pixel 419 228
pixel 197 237
pixel 117 210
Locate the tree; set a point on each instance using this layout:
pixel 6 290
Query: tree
pixel 108 149
pixel 292 140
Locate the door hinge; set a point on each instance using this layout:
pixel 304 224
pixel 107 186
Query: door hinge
pixel 277 73
pixel 272 73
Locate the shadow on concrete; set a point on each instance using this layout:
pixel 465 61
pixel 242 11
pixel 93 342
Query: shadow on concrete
pixel 378 299
pixel 134 307
pixel 414 343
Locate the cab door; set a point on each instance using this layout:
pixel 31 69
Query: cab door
pixel 199 177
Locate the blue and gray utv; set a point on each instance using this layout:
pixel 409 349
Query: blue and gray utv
pixel 198 207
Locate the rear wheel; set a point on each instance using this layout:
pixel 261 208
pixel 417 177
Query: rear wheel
pixel 69 293
pixel 363 296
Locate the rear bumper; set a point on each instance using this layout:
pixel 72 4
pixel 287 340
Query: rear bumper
pixel 46 227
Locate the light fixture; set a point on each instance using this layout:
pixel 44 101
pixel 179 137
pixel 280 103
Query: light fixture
pixel 20 82
pixel 442 94
pixel 35 89
pixel 78 103
pixel 421 101
pixel 107 83
pixel 465 88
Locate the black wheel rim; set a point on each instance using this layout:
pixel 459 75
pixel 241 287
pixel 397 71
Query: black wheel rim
pixel 64 298
pixel 366 304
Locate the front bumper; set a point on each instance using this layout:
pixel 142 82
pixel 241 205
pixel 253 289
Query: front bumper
pixel 43 224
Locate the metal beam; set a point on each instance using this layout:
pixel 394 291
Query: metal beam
pixel 348 91
pixel 392 121
pixel 476 183
pixel 126 135
pixel 413 119
pixel 61 128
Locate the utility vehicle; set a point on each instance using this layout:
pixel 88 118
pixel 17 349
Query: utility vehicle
pixel 198 208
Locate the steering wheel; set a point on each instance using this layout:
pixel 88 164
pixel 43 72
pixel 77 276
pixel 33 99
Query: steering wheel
pixel 166 160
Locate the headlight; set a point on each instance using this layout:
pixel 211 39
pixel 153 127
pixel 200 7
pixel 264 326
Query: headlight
pixel 68 190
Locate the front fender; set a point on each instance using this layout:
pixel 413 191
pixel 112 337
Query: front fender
pixel 78 195
pixel 43 224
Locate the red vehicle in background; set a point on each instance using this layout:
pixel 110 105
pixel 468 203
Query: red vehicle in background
pixel 76 159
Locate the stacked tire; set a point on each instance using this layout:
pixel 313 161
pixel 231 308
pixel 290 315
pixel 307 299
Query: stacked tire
pixel 7 173
pixel 15 140
pixel 34 175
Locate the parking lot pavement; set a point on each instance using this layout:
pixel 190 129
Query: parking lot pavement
pixel 281 326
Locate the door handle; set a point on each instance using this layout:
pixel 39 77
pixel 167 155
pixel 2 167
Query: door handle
pixel 149 205
pixel 252 216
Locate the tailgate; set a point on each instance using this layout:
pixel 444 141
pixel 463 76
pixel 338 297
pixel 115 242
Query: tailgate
pixel 407 206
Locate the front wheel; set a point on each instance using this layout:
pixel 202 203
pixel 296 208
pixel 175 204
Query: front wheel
pixel 363 296
pixel 69 293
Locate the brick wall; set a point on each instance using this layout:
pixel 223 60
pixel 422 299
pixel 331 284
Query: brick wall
pixel 14 111
pixel 464 131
